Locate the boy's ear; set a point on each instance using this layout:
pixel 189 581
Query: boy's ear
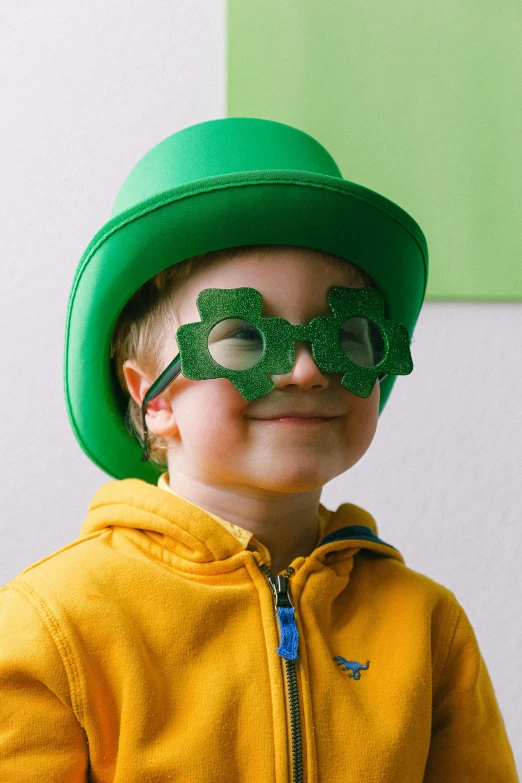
pixel 137 382
pixel 159 416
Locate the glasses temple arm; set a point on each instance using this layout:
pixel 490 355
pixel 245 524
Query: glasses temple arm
pixel 159 385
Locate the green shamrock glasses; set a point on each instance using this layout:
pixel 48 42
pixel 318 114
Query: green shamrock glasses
pixel 234 341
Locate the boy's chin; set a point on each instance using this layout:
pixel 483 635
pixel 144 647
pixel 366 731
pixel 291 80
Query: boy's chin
pixel 292 482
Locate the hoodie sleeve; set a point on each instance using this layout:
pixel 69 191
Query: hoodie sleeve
pixel 469 743
pixel 40 736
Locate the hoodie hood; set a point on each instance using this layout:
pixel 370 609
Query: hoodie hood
pixel 175 529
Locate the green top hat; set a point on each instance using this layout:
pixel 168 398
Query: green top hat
pixel 218 184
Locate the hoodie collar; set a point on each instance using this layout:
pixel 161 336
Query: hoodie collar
pixel 245 537
pixel 194 534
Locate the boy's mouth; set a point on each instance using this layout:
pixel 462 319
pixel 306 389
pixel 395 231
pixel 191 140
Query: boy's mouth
pixel 305 415
pixel 296 417
pixel 301 420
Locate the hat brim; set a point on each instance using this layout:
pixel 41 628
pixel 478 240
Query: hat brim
pixel 248 208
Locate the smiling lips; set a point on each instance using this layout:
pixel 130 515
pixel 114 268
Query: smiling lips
pixel 289 415
pixel 298 418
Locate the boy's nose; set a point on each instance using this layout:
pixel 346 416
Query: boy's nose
pixel 304 356
pixel 304 348
pixel 304 371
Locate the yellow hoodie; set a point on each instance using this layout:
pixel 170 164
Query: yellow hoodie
pixel 151 650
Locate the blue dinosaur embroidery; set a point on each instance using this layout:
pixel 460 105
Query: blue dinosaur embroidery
pixel 353 665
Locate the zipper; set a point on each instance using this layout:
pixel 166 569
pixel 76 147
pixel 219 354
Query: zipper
pixel 288 644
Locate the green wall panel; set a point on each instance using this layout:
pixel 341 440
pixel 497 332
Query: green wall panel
pixel 420 101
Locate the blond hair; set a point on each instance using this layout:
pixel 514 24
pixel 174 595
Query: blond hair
pixel 149 315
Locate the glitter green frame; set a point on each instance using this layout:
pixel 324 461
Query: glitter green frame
pixel 280 336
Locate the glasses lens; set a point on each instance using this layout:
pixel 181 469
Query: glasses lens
pixel 235 344
pixel 361 341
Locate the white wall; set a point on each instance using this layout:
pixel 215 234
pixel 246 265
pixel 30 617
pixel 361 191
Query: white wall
pixel 86 90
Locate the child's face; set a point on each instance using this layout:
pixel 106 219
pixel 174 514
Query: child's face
pixel 217 437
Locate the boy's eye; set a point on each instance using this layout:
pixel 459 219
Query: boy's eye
pixel 231 328
pixel 361 341
pixel 245 334
pixel 235 344
pixel 351 336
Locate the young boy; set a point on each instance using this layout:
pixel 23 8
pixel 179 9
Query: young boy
pixel 233 333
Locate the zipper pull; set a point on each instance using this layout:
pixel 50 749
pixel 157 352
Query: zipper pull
pixel 289 640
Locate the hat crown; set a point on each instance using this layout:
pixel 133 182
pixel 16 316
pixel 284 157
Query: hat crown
pixel 222 147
